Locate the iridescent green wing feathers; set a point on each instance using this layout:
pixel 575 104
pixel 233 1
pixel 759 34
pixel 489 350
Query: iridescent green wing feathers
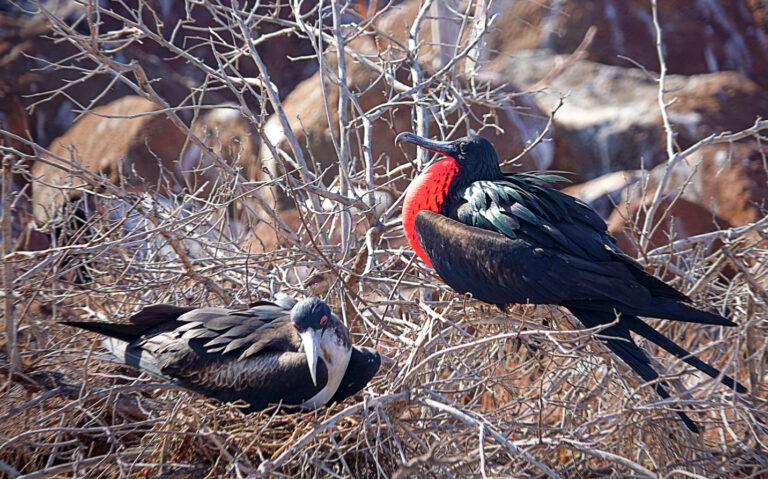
pixel 501 205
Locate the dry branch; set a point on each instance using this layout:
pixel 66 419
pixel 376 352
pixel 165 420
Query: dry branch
pixel 464 390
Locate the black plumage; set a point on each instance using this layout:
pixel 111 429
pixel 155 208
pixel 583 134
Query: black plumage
pixel 256 355
pixel 512 238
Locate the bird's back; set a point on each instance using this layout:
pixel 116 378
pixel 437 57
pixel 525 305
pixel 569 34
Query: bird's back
pixel 555 248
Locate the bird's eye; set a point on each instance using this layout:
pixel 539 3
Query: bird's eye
pixel 296 325
pixel 323 320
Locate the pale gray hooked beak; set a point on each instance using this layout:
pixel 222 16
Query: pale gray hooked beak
pixel 310 339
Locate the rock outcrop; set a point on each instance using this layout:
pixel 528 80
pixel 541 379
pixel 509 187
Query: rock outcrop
pixel 610 119
pixel 699 36
pixel 127 141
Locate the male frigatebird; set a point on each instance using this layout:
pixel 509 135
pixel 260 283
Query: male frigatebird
pixel 512 238
pixel 289 351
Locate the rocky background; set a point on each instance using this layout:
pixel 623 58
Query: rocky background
pixel 598 56
pixel 214 153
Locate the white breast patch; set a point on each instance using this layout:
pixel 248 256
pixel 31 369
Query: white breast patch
pixel 331 346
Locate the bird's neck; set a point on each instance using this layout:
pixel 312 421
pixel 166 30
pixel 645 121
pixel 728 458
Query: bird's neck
pixel 427 192
pixel 335 351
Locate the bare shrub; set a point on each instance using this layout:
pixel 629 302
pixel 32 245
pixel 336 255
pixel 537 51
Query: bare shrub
pixel 464 390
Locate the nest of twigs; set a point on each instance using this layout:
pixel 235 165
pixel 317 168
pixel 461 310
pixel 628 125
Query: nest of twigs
pixel 465 390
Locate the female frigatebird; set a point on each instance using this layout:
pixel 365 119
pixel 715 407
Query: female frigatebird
pixel 511 238
pixel 289 351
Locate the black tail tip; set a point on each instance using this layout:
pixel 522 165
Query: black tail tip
pixel 689 423
pixel 733 384
pixel 74 324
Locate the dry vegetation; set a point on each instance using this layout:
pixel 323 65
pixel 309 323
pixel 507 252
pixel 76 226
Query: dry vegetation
pixel 464 390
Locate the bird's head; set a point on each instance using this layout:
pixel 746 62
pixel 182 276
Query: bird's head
pixel 474 155
pixel 310 318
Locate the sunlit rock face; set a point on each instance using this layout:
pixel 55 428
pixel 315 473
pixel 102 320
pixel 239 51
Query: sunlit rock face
pixel 610 119
pixel 133 145
pixel 728 179
pixel 604 192
pixel 230 139
pixel 125 141
pixel 717 187
pixel 700 36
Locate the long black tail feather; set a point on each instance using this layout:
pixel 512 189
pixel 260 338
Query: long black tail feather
pixel 158 313
pixel 625 348
pixel 122 331
pixel 147 318
pixel 640 327
pixel 677 311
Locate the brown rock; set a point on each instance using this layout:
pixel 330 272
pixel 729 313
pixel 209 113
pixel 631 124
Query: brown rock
pixel 699 37
pixel 734 181
pixel 714 103
pixel 142 151
pixel 230 137
pixel 759 11
pixel 605 192
pixel 728 179
pixel 28 46
pixel 123 140
pixel 722 186
pixel 681 219
pixel 24 42
pixel 611 120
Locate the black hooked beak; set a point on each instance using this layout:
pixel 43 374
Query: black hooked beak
pixel 446 148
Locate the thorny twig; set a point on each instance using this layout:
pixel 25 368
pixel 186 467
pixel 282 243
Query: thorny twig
pixel 511 395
